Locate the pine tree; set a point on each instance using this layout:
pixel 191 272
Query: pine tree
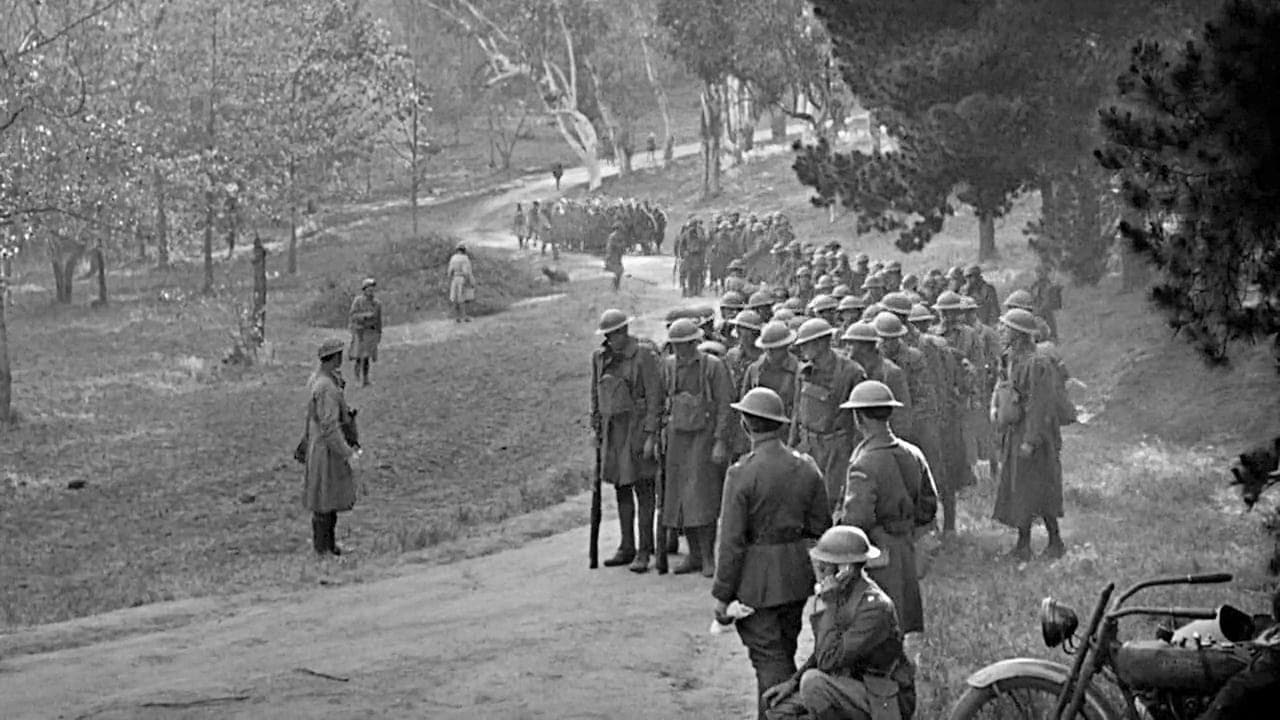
pixel 1195 140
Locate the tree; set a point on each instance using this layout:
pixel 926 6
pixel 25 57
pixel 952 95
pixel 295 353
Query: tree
pixel 700 38
pixel 1195 140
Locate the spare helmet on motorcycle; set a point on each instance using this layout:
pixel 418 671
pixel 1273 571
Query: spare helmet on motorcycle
pixel 1058 623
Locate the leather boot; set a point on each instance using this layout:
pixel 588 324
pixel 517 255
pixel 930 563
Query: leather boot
pixel 672 539
pixel 319 539
pixel 331 533
pixel 707 546
pixel 645 498
pixel 1022 551
pixel 1056 547
pixel 627 523
pixel 692 562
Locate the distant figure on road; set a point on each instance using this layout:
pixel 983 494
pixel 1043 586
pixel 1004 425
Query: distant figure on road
pixel 330 486
pixel 462 283
pixel 365 323
pixel 557 172
pixel 519 226
pixel 651 147
pixel 617 244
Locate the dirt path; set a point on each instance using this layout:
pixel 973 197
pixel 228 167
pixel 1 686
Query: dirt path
pixel 526 633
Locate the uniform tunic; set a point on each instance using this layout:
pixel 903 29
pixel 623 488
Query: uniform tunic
pixel 365 323
pixel 626 405
pixel 737 359
pixel 1031 487
pixel 886 371
pixel 462 283
pixel 781 378
pixel 985 295
pixel 819 426
pixel 329 485
pixel 693 482
pixel 890 493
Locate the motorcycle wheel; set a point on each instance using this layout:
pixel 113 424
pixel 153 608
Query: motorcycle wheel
pixel 1019 697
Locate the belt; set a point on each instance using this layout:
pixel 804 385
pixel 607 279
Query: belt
pixel 779 536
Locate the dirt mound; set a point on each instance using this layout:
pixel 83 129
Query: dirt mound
pixel 412 280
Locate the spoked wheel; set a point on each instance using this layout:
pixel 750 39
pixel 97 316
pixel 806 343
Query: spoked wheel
pixel 1018 698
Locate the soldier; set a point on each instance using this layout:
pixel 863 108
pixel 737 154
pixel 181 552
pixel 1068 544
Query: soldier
pixel 820 427
pixel 890 492
pixel 911 288
pixel 859 273
pixel 932 286
pixel 462 283
pixel 803 287
pixel 774 503
pixel 557 172
pixel 873 286
pixel 1047 299
pixel 737 280
pixel 824 285
pixel 985 443
pixel 849 310
pixel 923 423
pixel 747 325
pixel 365 323
pixel 1021 299
pixel 627 397
pixel 331 461
pixel 731 303
pixel 698 391
pixel 955 279
pixel 519 228
pixel 614 247
pixel 858 668
pixel 533 223
pixel 762 302
pixel 960 447
pixel 893 276
pixel 982 292
pixel 825 307
pixel 776 369
pixel 1024 409
pixel 861 340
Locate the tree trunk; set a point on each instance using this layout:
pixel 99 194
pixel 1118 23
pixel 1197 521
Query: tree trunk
pixel 778 126
pixel 659 92
pixel 209 215
pixel 712 131
pixel 987 238
pixel 414 176
pixel 64 261
pixel 6 378
pixel 162 225
pixel 259 290
pixel 102 275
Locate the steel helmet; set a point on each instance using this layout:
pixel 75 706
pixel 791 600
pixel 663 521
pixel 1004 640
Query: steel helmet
pixel 955 271
pixel 824 283
pixel 887 325
pixel 949 300
pixel 330 347
pixel 968 302
pixel 844 545
pixel 764 403
pixel 852 302
pixel 822 303
pixel 736 264
pixel 973 270
pixel 775 334
pixel 796 321
pixel 920 313
pixel 812 329
pixel 748 319
pixel 1020 299
pixel 732 299
pixel 862 259
pixel 1021 320
pixel 784 314
pixel 802 271
pixel 873 281
pixel 870 394
pixel 911 281
pixel 684 330
pixel 760 298
pixel 860 332
pixel 870 312
pixel 712 347
pixel 678 313
pixel 897 303
pixel 893 266
pixel 840 291
pixel 612 319
pixel 793 303
pixel 702 312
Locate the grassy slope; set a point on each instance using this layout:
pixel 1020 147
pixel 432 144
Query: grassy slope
pixel 1146 479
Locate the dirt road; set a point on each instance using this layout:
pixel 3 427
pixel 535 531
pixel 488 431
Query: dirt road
pixel 527 633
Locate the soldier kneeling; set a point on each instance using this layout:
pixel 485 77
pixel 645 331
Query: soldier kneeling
pixel 858 670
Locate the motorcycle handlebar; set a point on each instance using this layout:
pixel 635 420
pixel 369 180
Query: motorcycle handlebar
pixel 1182 612
pixel 1209 578
pixel 1174 580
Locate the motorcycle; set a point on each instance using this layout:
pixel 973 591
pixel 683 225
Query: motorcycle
pixel 1173 677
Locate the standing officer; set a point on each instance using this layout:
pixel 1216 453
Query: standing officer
pixel 330 486
pixel 858 668
pixel 821 428
pixel 627 397
pixel 891 493
pixel 774 504
pixel 698 391
pixel 1026 415
pixel 365 323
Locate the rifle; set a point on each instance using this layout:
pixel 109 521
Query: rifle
pixel 659 495
pixel 594 550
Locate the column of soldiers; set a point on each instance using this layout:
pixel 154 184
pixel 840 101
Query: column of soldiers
pixel 705 252
pixel 585 225
pixel 857 415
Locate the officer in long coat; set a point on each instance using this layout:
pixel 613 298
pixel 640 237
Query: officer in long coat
pixel 698 392
pixel 364 320
pixel 774 504
pixel 821 428
pixel 891 495
pixel 627 396
pixel 1026 416
pixel 329 486
pixel 858 668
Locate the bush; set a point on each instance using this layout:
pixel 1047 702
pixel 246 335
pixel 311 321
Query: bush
pixel 411 280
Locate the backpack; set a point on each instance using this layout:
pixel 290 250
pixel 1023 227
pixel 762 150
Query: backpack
pixel 1065 409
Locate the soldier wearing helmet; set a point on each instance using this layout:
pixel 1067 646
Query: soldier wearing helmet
pixel 825 307
pixel 364 319
pixel 762 302
pixel 747 326
pixel 698 433
pixel 332 451
pixel 820 427
pixel 916 426
pixel 960 444
pixel 984 441
pixel 1046 300
pixel 983 293
pixel 776 368
pixel 803 285
pixel 737 279
pixel 893 276
pixel 774 504
pixel 849 310
pixel 891 493
pixel 1024 408
pixel 861 341
pixel 731 303
pixel 858 668
pixel 627 400
pixel 858 273
pixel 873 286
pixel 618 242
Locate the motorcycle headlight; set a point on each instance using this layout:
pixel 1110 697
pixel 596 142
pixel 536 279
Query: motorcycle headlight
pixel 1058 623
